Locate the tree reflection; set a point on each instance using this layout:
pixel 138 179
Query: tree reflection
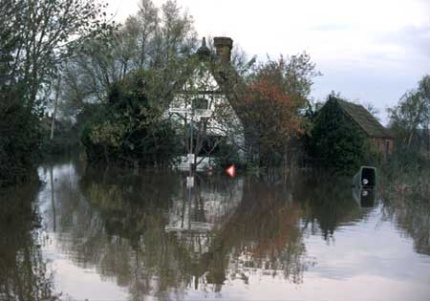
pixel 327 203
pixel 407 202
pixel 147 233
pixel 23 272
pixel 263 237
pixel 115 222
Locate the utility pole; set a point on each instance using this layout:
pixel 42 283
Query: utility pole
pixel 191 155
pixel 192 161
pixel 54 114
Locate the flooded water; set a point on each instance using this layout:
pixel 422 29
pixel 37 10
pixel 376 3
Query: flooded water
pixel 93 234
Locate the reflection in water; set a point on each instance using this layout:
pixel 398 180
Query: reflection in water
pixel 327 204
pixel 23 272
pixel 411 213
pixel 119 235
pixel 196 217
pixel 365 197
pixel 264 234
pixel 162 241
pixel 115 223
pixel 252 230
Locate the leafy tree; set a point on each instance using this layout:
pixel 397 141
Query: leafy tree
pixel 129 129
pixel 409 122
pixel 19 137
pixel 42 32
pixel 271 111
pixel 272 116
pixel 156 38
pixel 35 38
pixel 412 113
pixel 337 144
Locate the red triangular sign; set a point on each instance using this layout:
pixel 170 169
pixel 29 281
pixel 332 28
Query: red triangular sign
pixel 231 171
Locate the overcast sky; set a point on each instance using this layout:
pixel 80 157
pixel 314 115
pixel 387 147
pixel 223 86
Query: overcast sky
pixel 371 51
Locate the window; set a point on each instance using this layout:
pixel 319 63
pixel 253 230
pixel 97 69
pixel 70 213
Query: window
pixel 201 103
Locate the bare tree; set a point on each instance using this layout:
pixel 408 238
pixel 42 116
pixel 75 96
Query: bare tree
pixel 155 39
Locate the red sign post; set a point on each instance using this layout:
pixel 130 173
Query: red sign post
pixel 231 171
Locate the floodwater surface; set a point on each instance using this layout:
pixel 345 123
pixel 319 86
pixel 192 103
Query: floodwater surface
pixel 112 234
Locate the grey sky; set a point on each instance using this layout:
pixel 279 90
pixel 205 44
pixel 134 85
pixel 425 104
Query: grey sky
pixel 368 50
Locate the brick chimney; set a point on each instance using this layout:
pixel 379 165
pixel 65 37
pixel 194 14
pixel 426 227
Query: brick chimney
pixel 223 47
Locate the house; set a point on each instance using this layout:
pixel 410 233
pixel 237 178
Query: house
pixel 379 137
pixel 205 106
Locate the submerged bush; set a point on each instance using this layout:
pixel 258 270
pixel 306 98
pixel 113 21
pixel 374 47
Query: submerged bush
pixel 129 128
pixel 20 137
pixel 336 144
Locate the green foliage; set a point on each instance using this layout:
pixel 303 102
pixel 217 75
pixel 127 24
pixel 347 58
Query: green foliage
pixel 41 32
pixel 24 270
pixel 405 193
pixel 412 113
pixel 271 113
pixel 228 154
pixel 35 39
pixel 65 141
pixel 405 158
pixel 326 200
pixel 293 74
pixel 20 137
pixel 410 123
pixel 336 143
pixel 159 39
pixel 129 128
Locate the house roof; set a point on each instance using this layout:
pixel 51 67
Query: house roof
pixel 226 76
pixel 364 119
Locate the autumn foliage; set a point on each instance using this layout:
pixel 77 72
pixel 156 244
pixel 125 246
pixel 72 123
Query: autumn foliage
pixel 271 112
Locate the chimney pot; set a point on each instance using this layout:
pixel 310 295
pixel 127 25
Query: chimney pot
pixel 223 46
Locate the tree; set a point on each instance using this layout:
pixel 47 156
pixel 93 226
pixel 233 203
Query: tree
pixel 271 110
pixel 412 113
pixel 35 38
pixel 157 39
pixel 128 129
pixel 336 144
pixel 134 79
pixel 43 33
pixel 272 116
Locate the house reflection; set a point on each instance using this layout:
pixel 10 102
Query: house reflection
pixel 145 231
pixel 198 212
pixel 252 231
pixel 264 235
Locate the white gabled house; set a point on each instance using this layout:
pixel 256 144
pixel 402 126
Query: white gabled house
pixel 205 108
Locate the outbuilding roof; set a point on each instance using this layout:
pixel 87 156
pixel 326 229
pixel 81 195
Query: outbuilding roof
pixel 364 119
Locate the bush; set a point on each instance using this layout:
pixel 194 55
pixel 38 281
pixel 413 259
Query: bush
pixel 227 155
pixel 336 144
pixel 129 129
pixel 19 140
